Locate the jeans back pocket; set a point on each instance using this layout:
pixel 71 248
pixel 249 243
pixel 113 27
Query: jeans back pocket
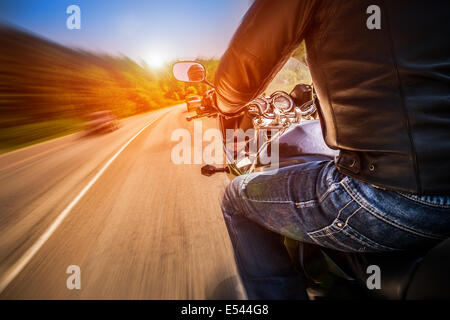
pixel 342 237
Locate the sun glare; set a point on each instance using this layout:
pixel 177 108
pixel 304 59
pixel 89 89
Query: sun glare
pixel 156 60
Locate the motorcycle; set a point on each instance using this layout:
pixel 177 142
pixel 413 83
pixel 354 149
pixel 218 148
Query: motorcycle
pixel 288 123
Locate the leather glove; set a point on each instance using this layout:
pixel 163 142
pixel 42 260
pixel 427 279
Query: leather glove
pixel 209 100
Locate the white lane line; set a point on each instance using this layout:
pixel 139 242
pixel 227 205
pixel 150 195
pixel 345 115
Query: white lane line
pixel 17 267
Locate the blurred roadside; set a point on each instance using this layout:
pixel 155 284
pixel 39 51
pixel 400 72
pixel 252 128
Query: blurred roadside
pixel 48 90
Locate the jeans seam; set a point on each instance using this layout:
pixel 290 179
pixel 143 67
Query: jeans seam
pixel 311 234
pixel 378 215
pixel 423 202
pixel 342 244
pixel 330 189
pixel 316 241
pixel 343 208
pixel 281 177
pixel 375 245
pixel 269 201
pixel 327 233
pixel 306 204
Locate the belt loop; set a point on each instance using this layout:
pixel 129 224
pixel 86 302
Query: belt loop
pixel 349 160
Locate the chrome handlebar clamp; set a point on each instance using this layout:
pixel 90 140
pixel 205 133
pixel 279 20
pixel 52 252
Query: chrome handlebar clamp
pixel 266 115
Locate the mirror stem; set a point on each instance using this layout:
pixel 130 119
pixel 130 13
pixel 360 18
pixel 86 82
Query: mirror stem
pixel 208 83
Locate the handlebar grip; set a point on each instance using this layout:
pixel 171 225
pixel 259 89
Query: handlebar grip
pixel 201 116
pixel 191 118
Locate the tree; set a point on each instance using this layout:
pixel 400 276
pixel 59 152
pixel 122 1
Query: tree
pixel 191 91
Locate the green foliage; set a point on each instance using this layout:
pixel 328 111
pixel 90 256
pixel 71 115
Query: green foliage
pixel 300 53
pixel 293 72
pixel 20 136
pixel 191 91
pixel 45 86
pixel 177 90
pixel 42 82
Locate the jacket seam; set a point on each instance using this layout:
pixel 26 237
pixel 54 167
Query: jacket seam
pixel 325 82
pixel 402 98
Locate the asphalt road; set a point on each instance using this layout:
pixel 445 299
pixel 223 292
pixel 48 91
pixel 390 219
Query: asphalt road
pixel 137 225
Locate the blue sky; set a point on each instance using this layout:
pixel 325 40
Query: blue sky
pixel 148 29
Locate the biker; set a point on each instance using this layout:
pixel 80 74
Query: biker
pixel 195 73
pixel 384 95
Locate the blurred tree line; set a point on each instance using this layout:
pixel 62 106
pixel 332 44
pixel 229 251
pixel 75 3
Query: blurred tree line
pixel 42 81
pixel 177 90
pixel 294 71
pixel 48 90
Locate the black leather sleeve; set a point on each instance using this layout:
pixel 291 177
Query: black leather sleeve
pixel 265 39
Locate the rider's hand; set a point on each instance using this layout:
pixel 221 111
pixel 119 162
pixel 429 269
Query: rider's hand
pixel 209 101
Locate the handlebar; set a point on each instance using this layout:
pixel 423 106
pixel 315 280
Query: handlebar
pixel 201 115
pixel 259 107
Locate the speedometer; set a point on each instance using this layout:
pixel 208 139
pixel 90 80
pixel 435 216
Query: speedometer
pixel 259 105
pixel 282 101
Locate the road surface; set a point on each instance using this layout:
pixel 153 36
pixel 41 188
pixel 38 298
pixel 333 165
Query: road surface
pixel 137 225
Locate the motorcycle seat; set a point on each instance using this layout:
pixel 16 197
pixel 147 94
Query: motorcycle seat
pixel 410 276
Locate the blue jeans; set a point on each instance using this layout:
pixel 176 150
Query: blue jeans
pixel 314 203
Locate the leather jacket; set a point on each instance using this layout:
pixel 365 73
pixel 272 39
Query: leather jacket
pixel 384 93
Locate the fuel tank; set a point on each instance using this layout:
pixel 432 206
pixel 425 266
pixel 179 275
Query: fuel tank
pixel 303 142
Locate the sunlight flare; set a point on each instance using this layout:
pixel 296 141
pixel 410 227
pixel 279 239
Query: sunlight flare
pixel 156 60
